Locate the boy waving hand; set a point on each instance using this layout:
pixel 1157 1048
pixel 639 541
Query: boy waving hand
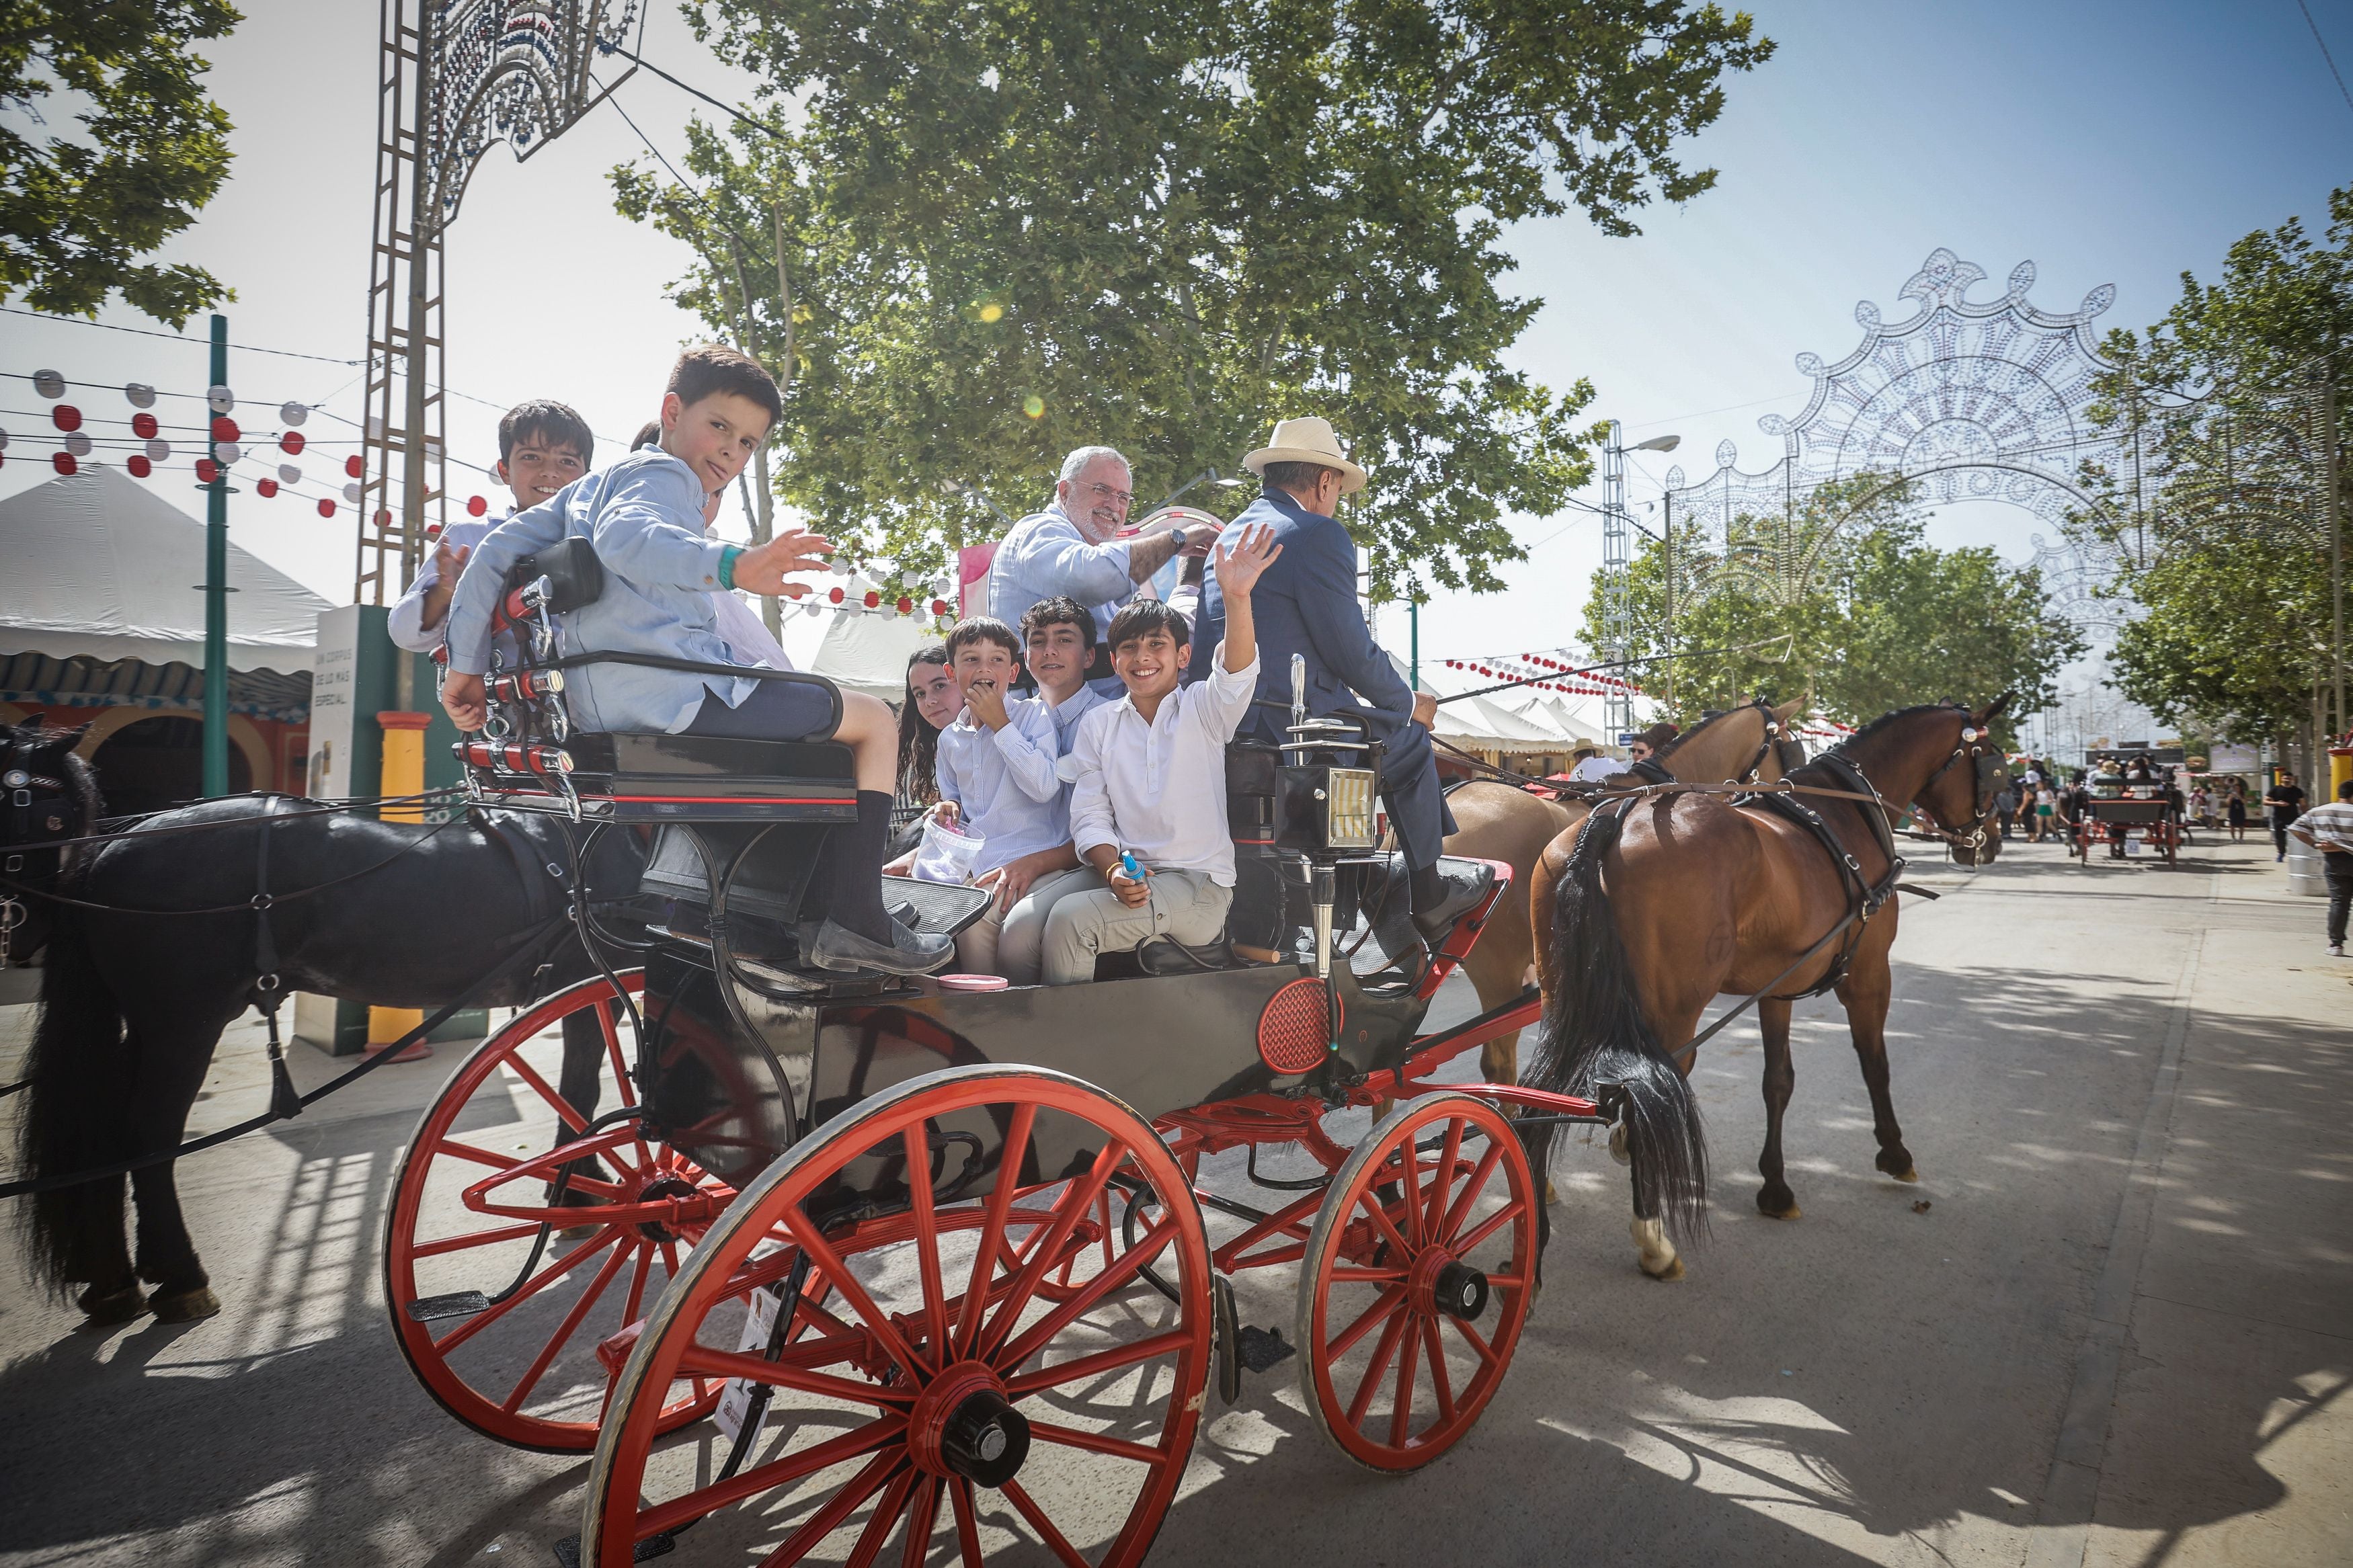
pixel 1148 801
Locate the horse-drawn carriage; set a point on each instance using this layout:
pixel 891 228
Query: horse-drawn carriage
pixel 2117 809
pixel 825 1256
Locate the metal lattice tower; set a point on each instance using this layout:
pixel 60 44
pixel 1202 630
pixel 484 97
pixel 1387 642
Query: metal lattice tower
pixel 1617 586
pixel 456 77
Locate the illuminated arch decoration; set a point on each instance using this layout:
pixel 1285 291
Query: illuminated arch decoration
pixel 1966 399
pixel 515 71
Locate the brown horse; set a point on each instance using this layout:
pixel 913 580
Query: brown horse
pixel 1669 901
pixel 1505 822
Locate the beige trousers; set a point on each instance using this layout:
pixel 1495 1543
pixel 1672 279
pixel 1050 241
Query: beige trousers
pixel 1186 905
pixel 1005 942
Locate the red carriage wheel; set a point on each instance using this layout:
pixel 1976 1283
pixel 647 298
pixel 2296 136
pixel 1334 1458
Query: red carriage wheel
pixel 943 1397
pixel 501 1298
pixel 1417 1281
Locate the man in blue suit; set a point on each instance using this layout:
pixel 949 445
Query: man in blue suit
pixel 1306 604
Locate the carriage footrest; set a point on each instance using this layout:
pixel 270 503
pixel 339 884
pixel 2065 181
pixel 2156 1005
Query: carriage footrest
pixel 1264 1348
pixel 567 1551
pixel 455 1304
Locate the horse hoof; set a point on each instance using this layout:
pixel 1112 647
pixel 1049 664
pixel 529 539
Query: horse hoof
pixel 1667 1276
pixel 186 1306
pixel 1907 1174
pixel 1786 1211
pixel 577 1232
pixel 112 1309
pixel 1552 1194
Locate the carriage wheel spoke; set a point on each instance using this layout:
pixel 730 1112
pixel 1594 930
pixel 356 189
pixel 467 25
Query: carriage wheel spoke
pixel 1096 1443
pixel 927 1243
pixel 474 1238
pixel 992 1230
pixel 1401 1416
pixel 1473 1188
pixel 1042 1524
pixel 610 1026
pixel 564 1330
pixel 1470 1335
pixel 1490 1225
pixel 565 1112
pixel 967 1526
pixel 1441 1179
pixel 922 1520
pixel 1066 1219
pixel 1079 1368
pixel 875 1320
pixel 1388 1304
pixel 638 1285
pixel 1344 1274
pixel 1409 1198
pixel 1371 1204
pixel 1372 1378
pixel 532 1287
pixel 1035 1338
pixel 885 1434
pixel 479 1156
pixel 1435 1353
pixel 794 1370
pixel 878 1523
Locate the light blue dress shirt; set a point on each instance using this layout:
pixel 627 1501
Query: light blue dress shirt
pixel 643 516
pixel 1004 782
pixel 1045 554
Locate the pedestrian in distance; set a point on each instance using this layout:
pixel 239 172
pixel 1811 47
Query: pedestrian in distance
pixel 2235 811
pixel 2005 806
pixel 2329 829
pixel 2284 803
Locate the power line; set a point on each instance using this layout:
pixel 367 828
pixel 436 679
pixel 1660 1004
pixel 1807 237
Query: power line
pixel 2324 52
pixel 729 109
pixel 173 337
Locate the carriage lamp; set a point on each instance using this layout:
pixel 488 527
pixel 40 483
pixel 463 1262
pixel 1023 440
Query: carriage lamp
pixel 1347 800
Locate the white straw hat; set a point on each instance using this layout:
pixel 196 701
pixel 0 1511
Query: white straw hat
pixel 1307 441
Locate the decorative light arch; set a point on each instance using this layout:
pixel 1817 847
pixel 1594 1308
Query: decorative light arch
pixel 1965 400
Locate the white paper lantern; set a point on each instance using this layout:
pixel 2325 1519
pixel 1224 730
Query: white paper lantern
pixel 219 399
pixel 158 449
pixel 227 452
pixel 840 566
pixel 4 440
pixel 48 384
pixel 78 443
pixel 351 493
pixel 140 395
pixel 288 474
pixel 292 412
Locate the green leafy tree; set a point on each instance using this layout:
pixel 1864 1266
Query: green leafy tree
pixel 2217 518
pixel 80 208
pixel 1012 227
pixel 1868 616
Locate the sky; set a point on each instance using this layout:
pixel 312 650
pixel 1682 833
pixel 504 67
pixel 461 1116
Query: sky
pixel 2108 142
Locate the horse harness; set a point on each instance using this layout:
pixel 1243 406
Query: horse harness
pixel 29 833
pixel 1863 900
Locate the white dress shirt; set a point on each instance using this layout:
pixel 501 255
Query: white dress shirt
pixel 1158 790
pixel 1003 782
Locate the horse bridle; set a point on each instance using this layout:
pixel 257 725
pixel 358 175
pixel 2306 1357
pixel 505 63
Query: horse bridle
pixel 26 793
pixel 1977 744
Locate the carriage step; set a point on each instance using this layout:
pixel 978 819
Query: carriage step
pixel 567 1551
pixel 1264 1348
pixel 455 1304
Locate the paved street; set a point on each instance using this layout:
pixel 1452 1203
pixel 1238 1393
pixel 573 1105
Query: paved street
pixel 2112 1325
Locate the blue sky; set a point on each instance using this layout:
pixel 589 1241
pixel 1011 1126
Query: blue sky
pixel 2108 142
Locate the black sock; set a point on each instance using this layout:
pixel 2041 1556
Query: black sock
pixel 853 860
pixel 1428 891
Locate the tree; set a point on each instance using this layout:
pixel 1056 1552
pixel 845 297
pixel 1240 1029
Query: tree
pixel 1873 618
pixel 76 212
pixel 1012 227
pixel 2218 520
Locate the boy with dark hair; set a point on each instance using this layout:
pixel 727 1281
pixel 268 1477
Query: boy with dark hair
pixel 543 446
pixel 1058 640
pixel 1148 803
pixel 644 516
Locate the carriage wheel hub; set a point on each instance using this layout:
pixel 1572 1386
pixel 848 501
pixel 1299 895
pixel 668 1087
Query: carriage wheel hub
pixel 1438 1282
pixel 686 1203
pixel 964 1426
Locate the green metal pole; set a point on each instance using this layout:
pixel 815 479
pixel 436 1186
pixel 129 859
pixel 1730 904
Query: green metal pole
pixel 216 595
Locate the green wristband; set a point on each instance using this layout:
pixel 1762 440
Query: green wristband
pixel 727 564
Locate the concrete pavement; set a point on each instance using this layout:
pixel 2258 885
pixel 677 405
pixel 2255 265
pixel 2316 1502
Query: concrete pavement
pixel 2112 1324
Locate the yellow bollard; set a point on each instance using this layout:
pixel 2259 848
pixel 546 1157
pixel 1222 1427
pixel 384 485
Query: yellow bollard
pixel 2340 768
pixel 403 774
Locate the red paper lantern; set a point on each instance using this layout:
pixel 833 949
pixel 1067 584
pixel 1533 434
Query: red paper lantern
pixel 326 508
pixel 206 470
pixel 291 443
pixel 66 416
pixel 939 606
pixel 225 429
pixel 872 599
pixel 476 506
pixel 384 517
pixel 906 607
pixel 143 425
pixel 352 465
pixel 63 462
pixel 138 465
pixel 834 595
pixel 266 488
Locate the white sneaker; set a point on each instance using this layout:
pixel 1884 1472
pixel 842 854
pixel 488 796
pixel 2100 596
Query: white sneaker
pixel 2337 950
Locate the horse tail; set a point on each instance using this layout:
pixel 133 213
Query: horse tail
pixel 1595 1032
pixel 78 1077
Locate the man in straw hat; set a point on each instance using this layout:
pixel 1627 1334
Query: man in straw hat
pixel 1306 604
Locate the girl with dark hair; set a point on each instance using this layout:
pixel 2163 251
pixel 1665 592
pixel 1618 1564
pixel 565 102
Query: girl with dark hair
pixel 929 705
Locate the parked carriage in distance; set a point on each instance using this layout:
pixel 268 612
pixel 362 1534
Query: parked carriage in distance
pixel 822 1258
pixel 2118 808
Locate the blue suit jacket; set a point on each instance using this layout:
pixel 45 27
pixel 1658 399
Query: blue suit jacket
pixel 1305 604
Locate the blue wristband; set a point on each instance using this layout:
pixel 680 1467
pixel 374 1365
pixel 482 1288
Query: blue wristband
pixel 727 564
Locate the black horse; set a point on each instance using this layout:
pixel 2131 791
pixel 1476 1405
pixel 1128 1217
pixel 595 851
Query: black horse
pixel 134 995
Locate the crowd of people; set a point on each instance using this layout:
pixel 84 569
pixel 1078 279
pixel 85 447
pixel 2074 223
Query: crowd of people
pixel 1066 750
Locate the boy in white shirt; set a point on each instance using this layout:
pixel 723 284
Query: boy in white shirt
pixel 1150 784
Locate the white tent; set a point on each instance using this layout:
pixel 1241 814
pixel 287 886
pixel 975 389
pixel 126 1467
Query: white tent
pixel 95 566
pixel 859 650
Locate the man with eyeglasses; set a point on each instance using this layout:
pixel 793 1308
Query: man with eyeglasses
pixel 1072 547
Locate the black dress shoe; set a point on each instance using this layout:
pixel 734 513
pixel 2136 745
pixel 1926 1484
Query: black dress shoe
pixel 1463 892
pixel 909 952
